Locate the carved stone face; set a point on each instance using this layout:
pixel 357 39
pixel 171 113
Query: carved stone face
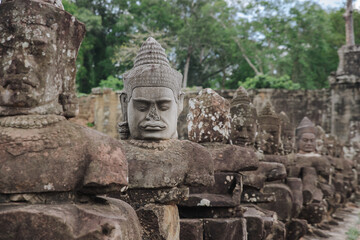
pixel 288 140
pixel 269 139
pixel 27 65
pixel 243 127
pixel 152 113
pixel 307 143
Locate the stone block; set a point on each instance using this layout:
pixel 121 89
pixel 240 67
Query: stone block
pixel 296 229
pixel 211 212
pixel 255 227
pixel 113 219
pixel 277 158
pixel 226 192
pixel 296 187
pixel 160 222
pixel 81 158
pixel 140 197
pixel 284 200
pixel 267 171
pixel 311 193
pixel 175 163
pixel 253 195
pixel 232 158
pixel 314 212
pixel 225 228
pixel 320 163
pixel 272 228
pixel 191 229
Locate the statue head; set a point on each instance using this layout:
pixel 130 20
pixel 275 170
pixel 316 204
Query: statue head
pixel 306 136
pixel 270 128
pixel 287 134
pixel 38 48
pixel 152 100
pixel 244 119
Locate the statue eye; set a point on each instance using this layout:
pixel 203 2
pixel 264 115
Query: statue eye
pixel 163 106
pixel 36 51
pixel 141 106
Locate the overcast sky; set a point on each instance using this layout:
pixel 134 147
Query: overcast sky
pixel 338 3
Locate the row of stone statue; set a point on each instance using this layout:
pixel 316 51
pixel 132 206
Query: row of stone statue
pixel 302 184
pixel 59 180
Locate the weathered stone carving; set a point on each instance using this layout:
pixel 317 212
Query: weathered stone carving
pixel 37 66
pixel 287 134
pixel 152 98
pixel 306 136
pixel 209 118
pixel 52 169
pixel 161 168
pixel 270 128
pixel 244 119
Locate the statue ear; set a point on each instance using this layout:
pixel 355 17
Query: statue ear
pixel 180 103
pixel 124 104
pixel 123 127
pixel 69 102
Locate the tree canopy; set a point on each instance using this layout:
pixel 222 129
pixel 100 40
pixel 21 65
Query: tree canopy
pixel 214 43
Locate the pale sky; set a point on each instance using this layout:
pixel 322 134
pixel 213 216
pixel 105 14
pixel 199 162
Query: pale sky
pixel 337 3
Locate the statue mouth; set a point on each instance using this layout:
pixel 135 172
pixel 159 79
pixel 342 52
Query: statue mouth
pixel 153 126
pixel 18 82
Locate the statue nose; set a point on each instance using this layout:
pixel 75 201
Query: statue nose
pixel 153 114
pixel 17 66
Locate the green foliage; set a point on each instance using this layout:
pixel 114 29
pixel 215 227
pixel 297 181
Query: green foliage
pixel 265 81
pixel 112 82
pixel 353 234
pixel 90 124
pixel 216 42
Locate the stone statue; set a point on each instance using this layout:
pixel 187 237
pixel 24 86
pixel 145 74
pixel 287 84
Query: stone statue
pixel 287 134
pixel 37 66
pixel 43 157
pixel 270 128
pixel 153 99
pixel 161 167
pixel 244 119
pixel 306 136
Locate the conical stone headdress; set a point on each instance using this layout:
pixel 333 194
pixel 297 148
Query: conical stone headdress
pixel 305 126
pixel 152 69
pixel 241 96
pixel 268 116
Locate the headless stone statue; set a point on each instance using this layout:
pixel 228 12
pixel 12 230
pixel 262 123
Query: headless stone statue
pixel 43 157
pixel 209 118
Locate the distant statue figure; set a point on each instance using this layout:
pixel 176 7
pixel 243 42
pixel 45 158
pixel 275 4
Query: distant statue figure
pixel 306 136
pixel 244 119
pixel 270 128
pixel 287 134
pixel 152 100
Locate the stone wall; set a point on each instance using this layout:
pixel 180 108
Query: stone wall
pixel 104 110
pixel 100 110
pixel 315 104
